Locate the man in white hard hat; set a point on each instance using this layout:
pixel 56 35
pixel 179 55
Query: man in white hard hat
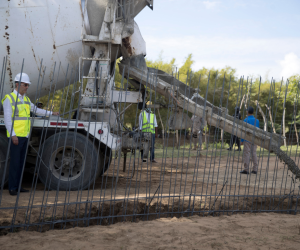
pixel 17 109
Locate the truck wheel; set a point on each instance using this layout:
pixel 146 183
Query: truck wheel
pixel 70 167
pixel 3 152
pixel 103 166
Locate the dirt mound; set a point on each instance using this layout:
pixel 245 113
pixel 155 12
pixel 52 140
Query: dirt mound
pixel 248 231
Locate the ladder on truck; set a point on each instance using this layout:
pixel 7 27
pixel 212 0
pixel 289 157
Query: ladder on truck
pixel 99 65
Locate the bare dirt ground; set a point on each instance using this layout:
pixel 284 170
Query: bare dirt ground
pixel 190 185
pixel 247 231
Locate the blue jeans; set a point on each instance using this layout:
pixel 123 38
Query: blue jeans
pixel 17 158
pixel 151 148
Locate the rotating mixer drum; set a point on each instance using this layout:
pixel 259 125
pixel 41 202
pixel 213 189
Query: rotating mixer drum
pixel 50 30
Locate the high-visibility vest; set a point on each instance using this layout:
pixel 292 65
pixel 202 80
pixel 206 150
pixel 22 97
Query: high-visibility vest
pixel 148 127
pixel 22 114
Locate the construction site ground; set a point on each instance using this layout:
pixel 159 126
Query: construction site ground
pixel 162 189
pixel 243 231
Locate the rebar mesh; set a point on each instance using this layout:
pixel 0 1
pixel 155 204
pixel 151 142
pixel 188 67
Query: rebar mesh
pixel 84 167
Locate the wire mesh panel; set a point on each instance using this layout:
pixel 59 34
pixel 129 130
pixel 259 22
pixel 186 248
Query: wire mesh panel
pixel 156 145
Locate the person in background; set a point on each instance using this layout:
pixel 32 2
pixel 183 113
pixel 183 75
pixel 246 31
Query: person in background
pixel 197 131
pixel 17 107
pixel 234 139
pixel 249 147
pixel 148 124
pixel 40 106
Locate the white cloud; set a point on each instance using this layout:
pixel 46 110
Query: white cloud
pixel 290 65
pixel 210 5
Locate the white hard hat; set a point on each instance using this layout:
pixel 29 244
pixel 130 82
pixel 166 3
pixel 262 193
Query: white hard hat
pixel 24 78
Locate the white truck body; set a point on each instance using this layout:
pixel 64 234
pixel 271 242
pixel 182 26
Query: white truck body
pixel 52 30
pixel 71 34
pixel 35 30
pixel 92 128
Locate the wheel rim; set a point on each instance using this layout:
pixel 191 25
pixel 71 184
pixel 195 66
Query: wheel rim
pixel 67 163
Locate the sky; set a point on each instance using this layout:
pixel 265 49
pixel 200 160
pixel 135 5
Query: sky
pixel 255 37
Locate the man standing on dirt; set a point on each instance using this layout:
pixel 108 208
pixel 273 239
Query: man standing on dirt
pixel 197 131
pixel 17 109
pixel 234 139
pixel 249 147
pixel 148 124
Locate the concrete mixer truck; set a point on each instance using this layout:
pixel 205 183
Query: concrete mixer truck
pixel 87 36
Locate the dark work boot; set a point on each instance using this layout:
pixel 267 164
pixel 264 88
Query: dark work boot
pixel 22 190
pixel 13 192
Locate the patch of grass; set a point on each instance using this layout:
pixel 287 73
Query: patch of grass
pixel 293 150
pixel 215 150
pixel 219 145
pixel 170 152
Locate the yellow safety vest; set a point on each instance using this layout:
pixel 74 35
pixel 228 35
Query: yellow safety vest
pixel 148 127
pixel 22 114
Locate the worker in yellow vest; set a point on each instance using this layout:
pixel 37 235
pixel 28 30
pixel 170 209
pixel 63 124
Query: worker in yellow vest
pixel 17 109
pixel 148 124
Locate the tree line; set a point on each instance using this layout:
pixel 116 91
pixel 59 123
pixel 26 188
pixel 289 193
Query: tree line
pixel 226 89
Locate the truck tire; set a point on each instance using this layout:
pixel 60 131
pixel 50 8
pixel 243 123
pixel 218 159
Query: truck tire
pixel 3 152
pixel 103 166
pixel 70 167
